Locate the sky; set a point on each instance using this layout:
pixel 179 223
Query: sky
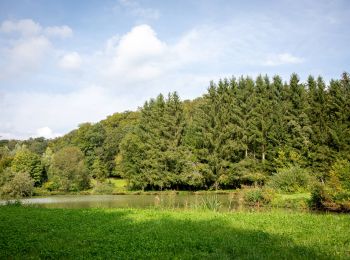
pixel 63 63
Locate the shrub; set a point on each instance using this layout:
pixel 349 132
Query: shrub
pixel 51 185
pixel 20 185
pixel 340 175
pixel 291 179
pixel 324 197
pixel 103 188
pixel 258 196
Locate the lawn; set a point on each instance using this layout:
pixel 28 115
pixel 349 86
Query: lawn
pixel 27 232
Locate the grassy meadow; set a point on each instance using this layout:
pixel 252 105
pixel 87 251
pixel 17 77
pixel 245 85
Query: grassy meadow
pixel 32 233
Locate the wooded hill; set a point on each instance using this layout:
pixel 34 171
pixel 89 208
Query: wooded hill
pixel 240 132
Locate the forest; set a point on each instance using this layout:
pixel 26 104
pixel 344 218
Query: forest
pixel 258 132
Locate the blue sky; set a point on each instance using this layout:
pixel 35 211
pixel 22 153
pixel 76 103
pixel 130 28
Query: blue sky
pixel 67 62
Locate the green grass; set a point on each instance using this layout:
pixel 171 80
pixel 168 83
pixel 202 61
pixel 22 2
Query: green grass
pixel 296 200
pixel 27 232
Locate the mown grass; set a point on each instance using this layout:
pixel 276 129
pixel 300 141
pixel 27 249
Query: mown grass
pixel 27 232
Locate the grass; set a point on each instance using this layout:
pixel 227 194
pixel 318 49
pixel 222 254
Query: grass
pixel 27 232
pixel 296 200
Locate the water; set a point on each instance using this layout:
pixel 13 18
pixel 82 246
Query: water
pixel 217 201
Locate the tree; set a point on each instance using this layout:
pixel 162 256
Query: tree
pixel 68 170
pixel 17 184
pixel 152 156
pixel 98 169
pixel 29 162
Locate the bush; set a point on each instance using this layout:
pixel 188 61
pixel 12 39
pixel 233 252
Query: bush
pixel 103 188
pixel 291 179
pixel 20 185
pixel 340 175
pixel 323 197
pixel 258 196
pixel 51 185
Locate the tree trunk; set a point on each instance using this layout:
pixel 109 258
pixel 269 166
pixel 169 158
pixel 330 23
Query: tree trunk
pixel 263 154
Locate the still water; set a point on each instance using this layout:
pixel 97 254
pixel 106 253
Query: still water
pixel 217 201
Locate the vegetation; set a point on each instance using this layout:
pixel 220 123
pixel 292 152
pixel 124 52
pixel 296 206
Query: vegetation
pixel 335 193
pixel 289 136
pixel 160 234
pixel 16 185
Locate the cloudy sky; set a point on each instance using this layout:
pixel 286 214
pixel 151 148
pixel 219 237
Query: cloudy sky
pixel 67 62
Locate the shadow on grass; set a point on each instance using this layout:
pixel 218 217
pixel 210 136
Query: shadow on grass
pixel 128 234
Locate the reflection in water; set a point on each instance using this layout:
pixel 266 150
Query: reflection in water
pixel 216 202
pixel 219 201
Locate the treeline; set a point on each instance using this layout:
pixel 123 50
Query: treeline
pixel 241 132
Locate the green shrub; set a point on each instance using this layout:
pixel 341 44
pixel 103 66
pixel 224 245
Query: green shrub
pixel 340 175
pixel 103 188
pixel 258 196
pixel 324 197
pixel 51 185
pixel 291 179
pixel 20 185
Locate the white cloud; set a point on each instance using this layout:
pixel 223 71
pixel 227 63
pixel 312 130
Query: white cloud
pixel 59 31
pixel 46 132
pixel 26 27
pixel 136 56
pixel 133 67
pixel 57 112
pixel 24 56
pixel 70 61
pixel 28 52
pixel 283 58
pixel 140 56
pixel 137 10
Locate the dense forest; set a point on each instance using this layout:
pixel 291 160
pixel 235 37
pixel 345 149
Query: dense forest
pixel 242 132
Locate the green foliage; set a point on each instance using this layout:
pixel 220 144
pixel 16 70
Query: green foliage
pixel 152 156
pixel 291 179
pixel 51 185
pixel 258 196
pixel 17 185
pixel 68 170
pixel 36 145
pixel 103 188
pixel 29 162
pixel 334 194
pixel 324 197
pixel 98 170
pixel 238 133
pixel 340 175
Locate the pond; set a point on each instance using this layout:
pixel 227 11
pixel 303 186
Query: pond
pixel 211 201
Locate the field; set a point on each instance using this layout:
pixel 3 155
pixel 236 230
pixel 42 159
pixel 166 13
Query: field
pixel 28 232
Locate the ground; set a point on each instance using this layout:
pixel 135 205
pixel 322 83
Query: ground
pixel 28 232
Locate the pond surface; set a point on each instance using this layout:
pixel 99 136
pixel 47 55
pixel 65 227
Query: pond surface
pixel 216 201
